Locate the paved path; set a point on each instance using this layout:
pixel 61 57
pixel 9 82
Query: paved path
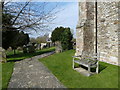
pixel 30 73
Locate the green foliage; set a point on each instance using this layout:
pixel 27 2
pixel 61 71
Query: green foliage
pixel 24 39
pixel 7 19
pixel 14 39
pixel 57 34
pixel 61 66
pixel 10 35
pixel 66 39
pixel 20 55
pixel 7 69
pixel 64 35
pixel 41 39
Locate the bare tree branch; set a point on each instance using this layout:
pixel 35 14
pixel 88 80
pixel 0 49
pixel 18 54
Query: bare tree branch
pixel 20 12
pixel 31 16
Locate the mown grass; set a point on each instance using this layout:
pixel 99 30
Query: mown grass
pixel 61 66
pixel 20 55
pixel 7 68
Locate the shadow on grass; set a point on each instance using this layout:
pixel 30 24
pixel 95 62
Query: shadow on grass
pixel 27 54
pixel 101 68
pixel 21 56
pixel 14 60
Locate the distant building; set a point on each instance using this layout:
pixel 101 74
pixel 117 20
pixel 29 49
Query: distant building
pixel 43 45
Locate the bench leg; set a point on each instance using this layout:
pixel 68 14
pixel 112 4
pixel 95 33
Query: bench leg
pixel 73 64
pixel 89 69
pixel 97 68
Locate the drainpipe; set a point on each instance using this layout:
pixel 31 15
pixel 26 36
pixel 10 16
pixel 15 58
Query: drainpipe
pixel 96 25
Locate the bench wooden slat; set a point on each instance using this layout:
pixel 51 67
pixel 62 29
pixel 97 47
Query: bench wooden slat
pixel 82 63
pixel 87 61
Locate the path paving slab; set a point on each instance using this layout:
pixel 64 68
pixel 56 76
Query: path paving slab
pixel 30 73
pixel 84 72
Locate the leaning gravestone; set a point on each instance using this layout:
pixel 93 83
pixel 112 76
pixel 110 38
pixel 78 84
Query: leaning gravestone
pixel 2 55
pixel 58 47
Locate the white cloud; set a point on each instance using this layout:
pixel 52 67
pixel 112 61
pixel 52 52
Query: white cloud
pixel 67 17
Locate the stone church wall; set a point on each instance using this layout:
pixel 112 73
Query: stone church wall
pixel 107 28
pixel 108 22
pixel 85 43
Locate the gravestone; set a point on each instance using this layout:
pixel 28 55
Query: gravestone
pixel 30 48
pixel 58 47
pixel 9 49
pixel 38 47
pixel 48 45
pixel 2 55
pixel 24 49
pixel 19 48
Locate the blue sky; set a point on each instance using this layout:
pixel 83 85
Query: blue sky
pixel 68 17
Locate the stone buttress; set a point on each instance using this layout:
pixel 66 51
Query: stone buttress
pixel 108 24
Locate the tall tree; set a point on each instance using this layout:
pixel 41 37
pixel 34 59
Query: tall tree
pixel 63 35
pixel 10 35
pixel 57 33
pixel 30 15
pixel 14 39
pixel 66 39
pixel 19 39
pixel 24 16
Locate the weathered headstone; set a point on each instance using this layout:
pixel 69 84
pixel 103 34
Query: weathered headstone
pixel 31 48
pixel 9 49
pixel 19 48
pixel 58 47
pixel 38 47
pixel 24 49
pixel 48 45
pixel 2 55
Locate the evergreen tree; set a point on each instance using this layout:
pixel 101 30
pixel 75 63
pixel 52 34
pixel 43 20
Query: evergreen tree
pixel 63 35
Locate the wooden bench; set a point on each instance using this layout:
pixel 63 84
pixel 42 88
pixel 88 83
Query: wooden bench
pixel 89 61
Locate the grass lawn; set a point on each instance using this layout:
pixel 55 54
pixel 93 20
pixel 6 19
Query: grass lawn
pixel 20 56
pixel 61 66
pixel 7 68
